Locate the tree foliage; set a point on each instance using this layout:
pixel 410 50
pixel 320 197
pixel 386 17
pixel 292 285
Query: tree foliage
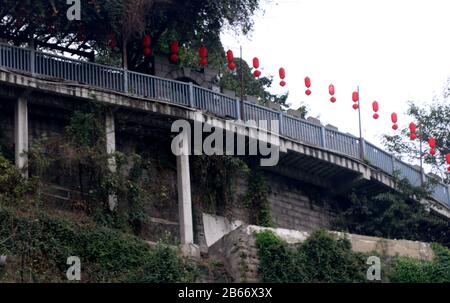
pixel 432 120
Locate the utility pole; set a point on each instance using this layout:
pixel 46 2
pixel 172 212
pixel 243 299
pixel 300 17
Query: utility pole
pixel 361 139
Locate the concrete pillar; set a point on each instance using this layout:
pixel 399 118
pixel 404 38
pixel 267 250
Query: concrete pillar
pixel 184 194
pixel 110 149
pixel 21 135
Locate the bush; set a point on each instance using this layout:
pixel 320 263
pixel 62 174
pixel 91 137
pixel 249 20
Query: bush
pixel 321 258
pixel 44 243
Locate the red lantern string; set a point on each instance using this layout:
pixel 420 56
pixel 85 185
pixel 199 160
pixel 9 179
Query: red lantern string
pixel 331 89
pixel 203 52
pixel 375 109
pixel 447 159
pixel 333 99
pixel 432 142
pixel 394 121
pixel 355 96
pixel 433 151
pixel 412 131
pixel 308 85
pixel 282 74
pixel 256 73
pixel 174 49
pixel 355 106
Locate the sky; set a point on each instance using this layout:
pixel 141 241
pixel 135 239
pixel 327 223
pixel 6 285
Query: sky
pixel 394 50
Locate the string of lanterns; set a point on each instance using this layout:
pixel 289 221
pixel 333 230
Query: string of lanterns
pixel 174 57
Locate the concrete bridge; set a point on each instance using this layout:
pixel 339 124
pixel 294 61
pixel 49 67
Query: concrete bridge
pixel 37 82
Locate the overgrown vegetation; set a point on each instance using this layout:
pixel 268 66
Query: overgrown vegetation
pixel 321 258
pixel 394 215
pixel 324 258
pixel 256 200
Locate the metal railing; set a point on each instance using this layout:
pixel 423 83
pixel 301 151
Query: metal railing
pixel 187 94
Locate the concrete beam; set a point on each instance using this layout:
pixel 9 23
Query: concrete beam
pixel 184 192
pixel 110 132
pixel 21 135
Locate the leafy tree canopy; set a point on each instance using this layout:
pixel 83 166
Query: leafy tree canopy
pixel 432 120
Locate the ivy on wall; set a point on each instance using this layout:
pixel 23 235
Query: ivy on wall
pixel 256 199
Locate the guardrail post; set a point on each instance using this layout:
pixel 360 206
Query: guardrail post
pixel 393 163
pixel 280 117
pixel 32 62
pixel 323 138
pixel 125 80
pixel 238 109
pixel 191 95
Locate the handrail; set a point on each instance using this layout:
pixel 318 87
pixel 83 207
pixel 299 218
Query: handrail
pixel 187 94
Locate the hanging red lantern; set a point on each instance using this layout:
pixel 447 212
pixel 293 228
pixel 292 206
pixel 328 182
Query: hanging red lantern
pixel 331 89
pixel 412 127
pixel 394 118
pixel 433 151
pixel 355 96
pixel 256 73
pixel 333 99
pixel 202 52
pixel 255 63
pixel 308 92
pixel 147 51
pixel 376 116
pixel 282 83
pixel 174 47
pixel 230 56
pixel 413 136
pixel 307 82
pixel 432 142
pixel 447 158
pixel 203 61
pixel 375 106
pixel 355 106
pixel 282 73
pixel 174 58
pixel 394 126
pixel 147 41
pixel 231 65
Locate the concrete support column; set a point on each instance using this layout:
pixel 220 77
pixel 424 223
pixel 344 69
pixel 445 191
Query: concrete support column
pixel 21 135
pixel 110 132
pixel 184 193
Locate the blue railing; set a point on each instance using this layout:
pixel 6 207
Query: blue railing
pixel 186 94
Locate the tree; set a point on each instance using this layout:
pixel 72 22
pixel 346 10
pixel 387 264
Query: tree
pixel 432 120
pixel 120 24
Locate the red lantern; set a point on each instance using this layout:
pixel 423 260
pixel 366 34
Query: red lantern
pixel 376 116
pixel 433 151
pixel 333 99
pixel 308 92
pixel 174 47
pixel 174 58
pixel 230 56
pixel 282 73
pixel 255 63
pixel 394 126
pixel 231 65
pixel 412 127
pixel 355 96
pixel 375 106
pixel 448 168
pixel 307 82
pixel 447 158
pixel 203 61
pixel 413 136
pixel 147 51
pixel 355 106
pixel 432 142
pixel 147 41
pixel 202 52
pixel 256 73
pixel 394 118
pixel 331 89
pixel 282 83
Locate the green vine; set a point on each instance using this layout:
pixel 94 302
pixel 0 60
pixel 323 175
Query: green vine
pixel 256 199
